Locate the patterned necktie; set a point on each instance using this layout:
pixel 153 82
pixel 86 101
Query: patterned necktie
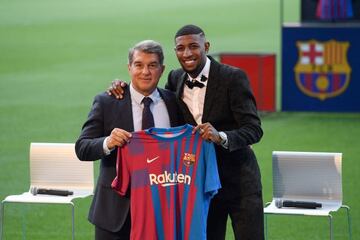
pixel 196 83
pixel 147 117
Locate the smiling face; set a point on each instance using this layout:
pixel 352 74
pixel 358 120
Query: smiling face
pixel 145 71
pixel 191 52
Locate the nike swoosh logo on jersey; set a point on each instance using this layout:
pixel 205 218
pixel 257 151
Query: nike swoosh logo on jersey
pixel 151 160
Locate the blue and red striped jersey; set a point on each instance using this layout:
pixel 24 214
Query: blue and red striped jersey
pixel 172 175
pixel 334 9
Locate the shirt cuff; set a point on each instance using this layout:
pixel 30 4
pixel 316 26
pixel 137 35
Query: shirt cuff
pixel 107 151
pixel 224 140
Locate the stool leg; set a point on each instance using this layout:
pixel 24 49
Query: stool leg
pixel 73 220
pixel 349 220
pixel 2 219
pixel 266 227
pixel 331 228
pixel 23 221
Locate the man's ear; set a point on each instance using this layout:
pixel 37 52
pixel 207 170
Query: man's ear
pixel 162 69
pixel 207 47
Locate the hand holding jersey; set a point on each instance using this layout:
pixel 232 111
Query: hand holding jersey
pixel 117 138
pixel 208 132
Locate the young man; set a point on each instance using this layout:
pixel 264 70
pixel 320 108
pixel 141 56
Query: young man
pixel 218 99
pixel 224 109
pixel 109 125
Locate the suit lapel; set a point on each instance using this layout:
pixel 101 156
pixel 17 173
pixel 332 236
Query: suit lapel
pixel 180 85
pixel 211 89
pixel 171 108
pixel 184 108
pixel 123 112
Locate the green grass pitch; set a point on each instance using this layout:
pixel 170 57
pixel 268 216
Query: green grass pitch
pixel 56 55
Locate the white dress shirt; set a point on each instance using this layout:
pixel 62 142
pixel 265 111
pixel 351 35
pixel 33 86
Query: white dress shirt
pixel 194 98
pixel 157 107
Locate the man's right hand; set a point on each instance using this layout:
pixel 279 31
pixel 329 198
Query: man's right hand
pixel 117 138
pixel 117 88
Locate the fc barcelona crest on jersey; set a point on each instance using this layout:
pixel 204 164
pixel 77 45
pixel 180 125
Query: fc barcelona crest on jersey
pixel 189 159
pixel 322 70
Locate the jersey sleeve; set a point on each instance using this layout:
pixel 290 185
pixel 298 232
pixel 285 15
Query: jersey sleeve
pixel 122 180
pixel 212 180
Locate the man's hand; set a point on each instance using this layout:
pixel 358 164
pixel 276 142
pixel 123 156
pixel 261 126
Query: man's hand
pixel 118 138
pixel 208 132
pixel 117 88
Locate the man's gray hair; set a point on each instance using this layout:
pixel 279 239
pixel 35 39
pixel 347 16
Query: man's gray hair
pixel 147 46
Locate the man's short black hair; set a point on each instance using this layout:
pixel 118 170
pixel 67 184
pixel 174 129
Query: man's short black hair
pixel 188 30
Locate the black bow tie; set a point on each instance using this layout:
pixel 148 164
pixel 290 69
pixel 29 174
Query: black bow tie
pixel 192 84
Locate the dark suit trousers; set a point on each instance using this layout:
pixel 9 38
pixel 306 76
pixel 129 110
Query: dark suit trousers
pixel 123 234
pixel 246 214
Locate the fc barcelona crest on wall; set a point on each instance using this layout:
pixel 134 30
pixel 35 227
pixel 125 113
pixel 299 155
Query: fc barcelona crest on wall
pixel 322 70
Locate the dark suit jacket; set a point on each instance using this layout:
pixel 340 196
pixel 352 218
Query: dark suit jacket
pixel 230 107
pixel 108 209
